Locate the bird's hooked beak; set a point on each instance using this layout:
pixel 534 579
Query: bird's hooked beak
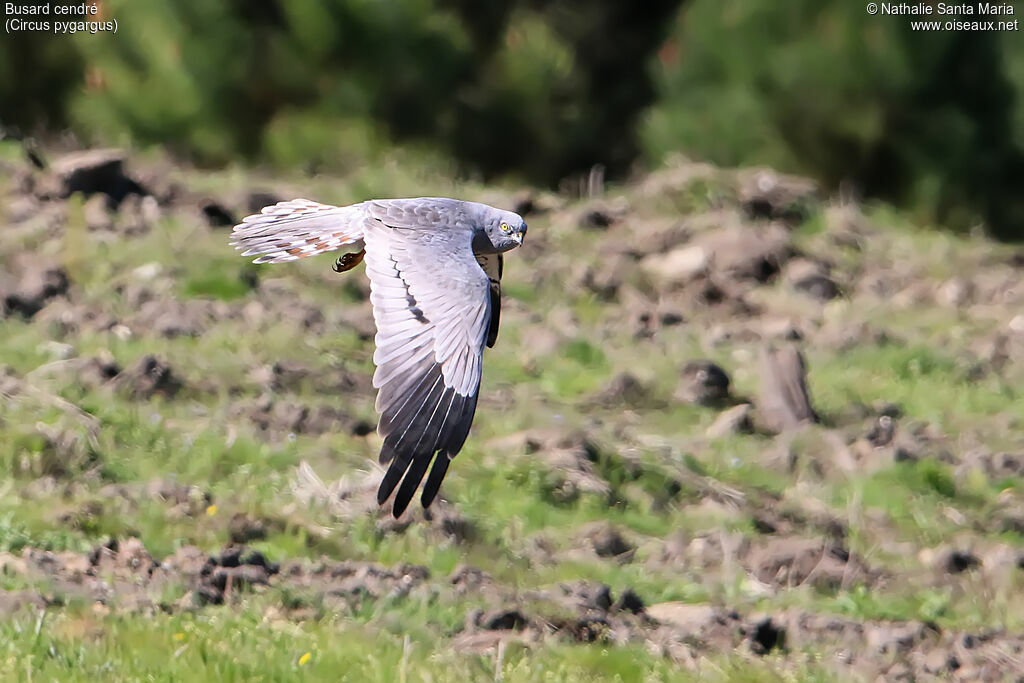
pixel 520 235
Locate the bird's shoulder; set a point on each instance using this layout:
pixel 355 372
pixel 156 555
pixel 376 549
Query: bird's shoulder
pixel 430 212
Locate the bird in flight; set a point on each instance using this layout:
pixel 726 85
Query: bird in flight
pixel 435 268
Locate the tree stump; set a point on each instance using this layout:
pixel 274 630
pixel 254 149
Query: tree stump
pixel 785 402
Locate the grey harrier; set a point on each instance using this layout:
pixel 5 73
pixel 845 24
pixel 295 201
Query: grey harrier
pixel 435 284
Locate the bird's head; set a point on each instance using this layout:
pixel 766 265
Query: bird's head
pixel 505 230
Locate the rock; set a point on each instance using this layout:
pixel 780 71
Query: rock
pixel 586 630
pixel 767 195
pixel 676 267
pixel 149 377
pixel 894 638
pixel 954 293
pixel 236 555
pixel 691 618
pixel 735 420
pixel 704 383
pixel 449 522
pixel 217 215
pixel 582 598
pixel 502 620
pixel 743 253
pixel 37 286
pixel 607 541
pixel 783 329
pixel 281 416
pixel 282 376
pixel 223 580
pixel 811 278
pixel 242 528
pixel 147 272
pixel 625 389
pixel 254 558
pixel 91 172
pixel 173 324
pixel 882 431
pixel 820 287
pixel 595 219
pixel 940 661
pixel 956 560
pixel 185 499
pixel 605 279
pixel 1004 465
pixel 785 401
pixel 1010 520
pixel 671 318
pixel 765 635
pixel 629 601
pixel 56 350
pixel 790 561
pixel 116 555
pixel 465 577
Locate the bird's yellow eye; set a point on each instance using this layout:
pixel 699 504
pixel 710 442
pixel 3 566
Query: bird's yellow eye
pixel 505 227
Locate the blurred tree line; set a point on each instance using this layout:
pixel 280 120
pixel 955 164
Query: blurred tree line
pixel 548 88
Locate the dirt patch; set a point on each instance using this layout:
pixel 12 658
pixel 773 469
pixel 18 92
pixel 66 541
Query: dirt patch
pixel 59 452
pixel 122 575
pixel 788 562
pixel 775 562
pixel 280 417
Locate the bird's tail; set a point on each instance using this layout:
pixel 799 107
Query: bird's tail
pixel 288 231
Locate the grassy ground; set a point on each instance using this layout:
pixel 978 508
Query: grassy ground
pixel 83 462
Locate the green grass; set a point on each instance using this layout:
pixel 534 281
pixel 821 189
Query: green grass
pixel 658 466
pixel 249 645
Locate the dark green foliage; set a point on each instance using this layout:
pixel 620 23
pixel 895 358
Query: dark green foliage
pixel 923 119
pixel 548 88
pixel 512 85
pixel 37 72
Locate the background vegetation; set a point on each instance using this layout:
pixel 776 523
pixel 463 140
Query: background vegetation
pixel 546 89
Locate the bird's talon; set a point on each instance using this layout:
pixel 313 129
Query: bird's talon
pixel 348 261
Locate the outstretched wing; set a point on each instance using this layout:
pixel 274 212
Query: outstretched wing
pixel 432 306
pixel 291 230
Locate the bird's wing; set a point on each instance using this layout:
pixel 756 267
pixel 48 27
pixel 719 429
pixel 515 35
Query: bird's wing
pixel 493 265
pixel 432 306
pixel 291 230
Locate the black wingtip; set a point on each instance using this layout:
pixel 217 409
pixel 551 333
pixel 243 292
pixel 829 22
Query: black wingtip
pixel 410 483
pixel 391 479
pixel 434 479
